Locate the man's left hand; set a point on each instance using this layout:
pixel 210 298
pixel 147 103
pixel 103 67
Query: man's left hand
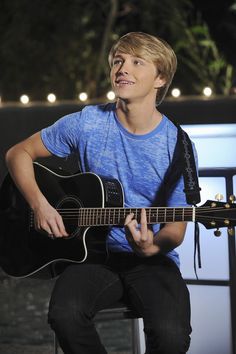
pixel 140 237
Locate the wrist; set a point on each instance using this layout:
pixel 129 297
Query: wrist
pixel 38 203
pixel 152 251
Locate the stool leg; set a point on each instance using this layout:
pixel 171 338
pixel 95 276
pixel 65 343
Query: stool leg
pixel 138 339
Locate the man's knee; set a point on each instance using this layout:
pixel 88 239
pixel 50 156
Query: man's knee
pixel 66 318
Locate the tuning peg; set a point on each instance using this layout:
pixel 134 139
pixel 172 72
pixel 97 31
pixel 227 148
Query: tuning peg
pixel 232 199
pixel 231 231
pixel 219 197
pixel 217 233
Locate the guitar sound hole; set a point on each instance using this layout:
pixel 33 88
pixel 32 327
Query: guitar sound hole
pixel 68 208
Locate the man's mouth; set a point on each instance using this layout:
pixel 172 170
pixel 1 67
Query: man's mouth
pixel 124 82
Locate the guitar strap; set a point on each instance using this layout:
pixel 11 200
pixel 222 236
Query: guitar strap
pixel 183 163
pixel 192 189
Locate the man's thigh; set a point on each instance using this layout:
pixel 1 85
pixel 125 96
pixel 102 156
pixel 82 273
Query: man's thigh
pixel 158 293
pixel 86 287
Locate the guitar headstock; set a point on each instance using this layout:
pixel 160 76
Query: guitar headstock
pixel 217 214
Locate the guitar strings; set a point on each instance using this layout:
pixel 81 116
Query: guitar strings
pixel 117 215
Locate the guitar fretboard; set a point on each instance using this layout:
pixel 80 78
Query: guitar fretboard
pixel 116 216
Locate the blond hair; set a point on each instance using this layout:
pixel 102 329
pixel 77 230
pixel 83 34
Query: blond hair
pixel 150 48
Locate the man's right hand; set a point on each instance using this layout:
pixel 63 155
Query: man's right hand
pixel 47 219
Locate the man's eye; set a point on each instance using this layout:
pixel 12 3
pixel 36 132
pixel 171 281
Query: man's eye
pixel 117 62
pixel 138 62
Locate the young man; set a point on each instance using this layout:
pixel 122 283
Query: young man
pixel 133 142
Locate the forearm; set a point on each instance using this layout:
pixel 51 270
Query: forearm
pixel 169 237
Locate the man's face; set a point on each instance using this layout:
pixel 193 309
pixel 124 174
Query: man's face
pixel 134 78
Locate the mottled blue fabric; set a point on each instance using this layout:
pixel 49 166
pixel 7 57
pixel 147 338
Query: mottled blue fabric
pixel 106 148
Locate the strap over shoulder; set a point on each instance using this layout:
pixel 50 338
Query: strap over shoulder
pixel 183 163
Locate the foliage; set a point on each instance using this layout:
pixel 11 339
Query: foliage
pixel 61 46
pixel 201 60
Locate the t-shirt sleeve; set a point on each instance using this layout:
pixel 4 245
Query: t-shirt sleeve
pixel 61 138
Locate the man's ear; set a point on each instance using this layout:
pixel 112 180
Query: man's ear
pixel 159 82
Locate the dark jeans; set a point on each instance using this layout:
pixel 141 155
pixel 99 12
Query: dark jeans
pixel 152 286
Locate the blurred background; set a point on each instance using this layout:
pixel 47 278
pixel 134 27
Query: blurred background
pixel 53 61
pixel 62 46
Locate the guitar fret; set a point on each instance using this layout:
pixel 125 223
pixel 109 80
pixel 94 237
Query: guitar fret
pixel 83 217
pixel 99 217
pixel 148 215
pixel 109 216
pixel 169 215
pixel 104 217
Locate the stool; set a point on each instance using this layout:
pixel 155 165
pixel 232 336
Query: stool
pixel 121 312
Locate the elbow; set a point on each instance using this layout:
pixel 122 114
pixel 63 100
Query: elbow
pixel 9 155
pixel 16 153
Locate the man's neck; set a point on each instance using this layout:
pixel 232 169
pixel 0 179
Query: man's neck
pixel 137 118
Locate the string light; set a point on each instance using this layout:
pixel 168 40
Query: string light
pixel 83 96
pixel 111 95
pixel 24 99
pixel 51 97
pixel 176 92
pixel 207 91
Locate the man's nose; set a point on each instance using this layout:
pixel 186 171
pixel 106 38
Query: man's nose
pixel 124 68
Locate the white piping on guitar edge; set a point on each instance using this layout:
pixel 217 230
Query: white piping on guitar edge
pixel 64 176
pixel 66 260
pixel 194 214
pixel 102 188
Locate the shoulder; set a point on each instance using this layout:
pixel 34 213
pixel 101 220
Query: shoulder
pixel 171 126
pixel 173 132
pixel 170 133
pixel 94 114
pixel 100 109
pixel 90 115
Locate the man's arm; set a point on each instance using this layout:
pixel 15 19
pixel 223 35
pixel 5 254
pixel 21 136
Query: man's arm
pixel 145 243
pixel 19 160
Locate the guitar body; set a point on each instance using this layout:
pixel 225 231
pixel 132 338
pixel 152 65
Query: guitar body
pixel 26 252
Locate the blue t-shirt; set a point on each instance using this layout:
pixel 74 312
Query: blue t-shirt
pixel 106 148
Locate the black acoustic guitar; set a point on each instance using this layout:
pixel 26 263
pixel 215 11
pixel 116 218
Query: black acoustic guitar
pixel 88 204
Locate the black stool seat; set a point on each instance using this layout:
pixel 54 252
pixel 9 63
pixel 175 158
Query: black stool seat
pixel 118 311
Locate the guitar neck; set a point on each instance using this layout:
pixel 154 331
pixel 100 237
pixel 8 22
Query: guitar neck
pixel 116 216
